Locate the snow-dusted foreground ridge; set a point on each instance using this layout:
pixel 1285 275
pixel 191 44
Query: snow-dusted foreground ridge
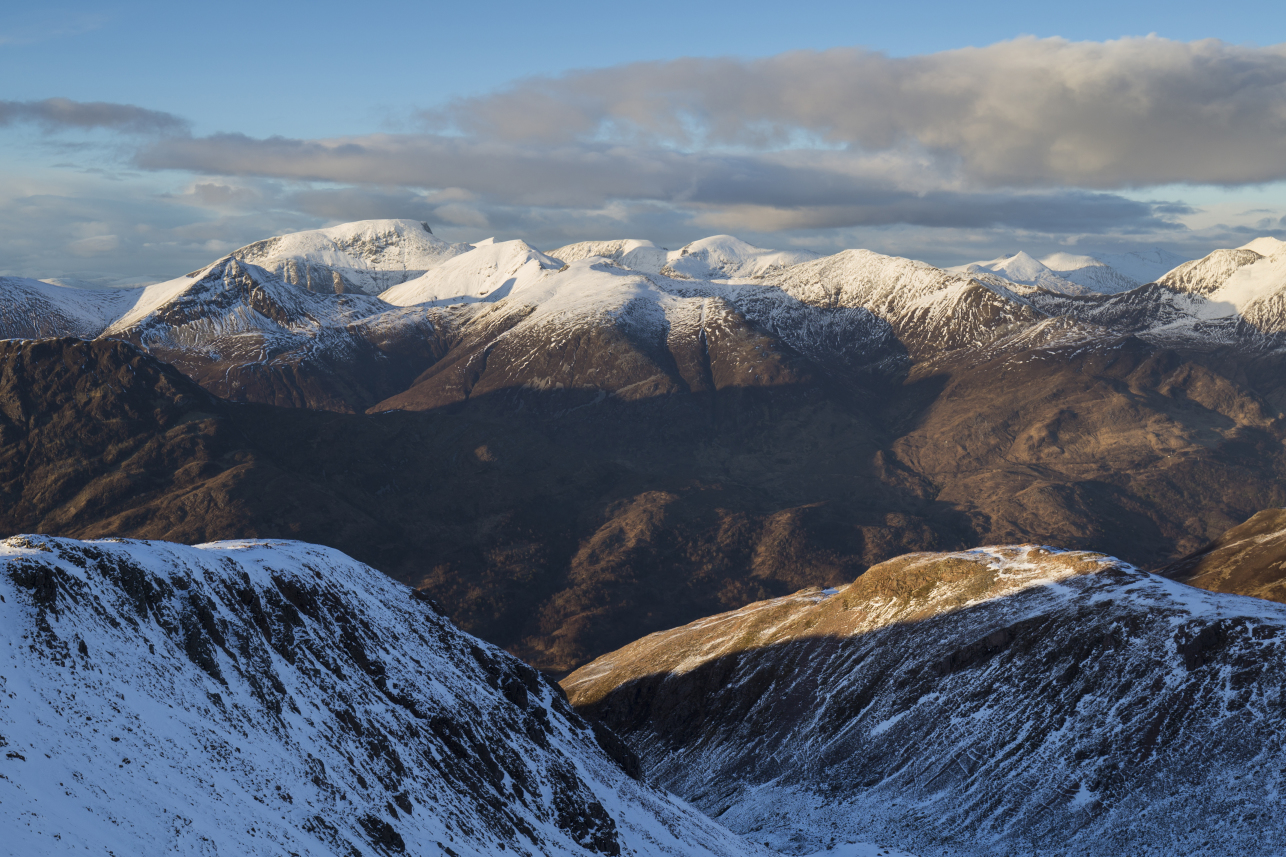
pixel 244 698
pixel 1015 700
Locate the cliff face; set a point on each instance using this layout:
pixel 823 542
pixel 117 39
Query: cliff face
pixel 1002 700
pixel 271 698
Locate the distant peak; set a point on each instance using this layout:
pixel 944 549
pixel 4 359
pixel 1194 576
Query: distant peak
pixel 1265 246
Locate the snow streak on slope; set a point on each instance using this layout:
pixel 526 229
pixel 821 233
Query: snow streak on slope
pixel 246 698
pixel 1013 700
pixel 368 256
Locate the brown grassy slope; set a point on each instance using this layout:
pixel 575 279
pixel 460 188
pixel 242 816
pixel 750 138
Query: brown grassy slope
pixel 1249 559
pixel 563 524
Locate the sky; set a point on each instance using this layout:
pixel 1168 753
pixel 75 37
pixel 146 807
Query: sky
pixel 141 140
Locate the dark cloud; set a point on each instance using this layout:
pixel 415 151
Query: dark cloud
pixel 1132 112
pixel 58 114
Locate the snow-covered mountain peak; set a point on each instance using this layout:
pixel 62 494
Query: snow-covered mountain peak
pixel 1208 274
pixel 1142 266
pixel 931 310
pixel 232 296
pixel 1266 246
pixel 488 272
pixel 997 701
pixel 1255 292
pixel 266 698
pixel 1072 274
pixel 1059 262
pixel 1093 273
pixel 591 287
pixel 1023 269
pixel 722 257
pixel 366 256
pixel 633 253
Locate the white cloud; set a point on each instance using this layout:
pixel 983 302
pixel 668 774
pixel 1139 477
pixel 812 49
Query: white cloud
pixel 1035 143
pixel 1130 112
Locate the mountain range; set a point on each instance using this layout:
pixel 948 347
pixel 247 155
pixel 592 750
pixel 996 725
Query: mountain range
pixel 555 448
pixel 1071 274
pixel 840 550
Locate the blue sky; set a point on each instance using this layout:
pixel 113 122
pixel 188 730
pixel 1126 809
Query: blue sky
pixel 443 99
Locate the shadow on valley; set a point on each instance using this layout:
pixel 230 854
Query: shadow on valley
pixel 1079 719
pixel 563 524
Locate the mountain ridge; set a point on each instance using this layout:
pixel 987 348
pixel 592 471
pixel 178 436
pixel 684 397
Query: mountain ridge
pixel 267 697
pixel 1012 699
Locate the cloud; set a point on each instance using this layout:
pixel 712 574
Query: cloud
pixel 360 203
pixel 1065 211
pixel 1028 134
pixel 1041 144
pixel 794 190
pixel 98 245
pixel 1126 113
pixel 60 114
pixel 78 225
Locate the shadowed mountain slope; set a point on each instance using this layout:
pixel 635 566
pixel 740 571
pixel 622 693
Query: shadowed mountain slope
pixel 1013 700
pixel 561 525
